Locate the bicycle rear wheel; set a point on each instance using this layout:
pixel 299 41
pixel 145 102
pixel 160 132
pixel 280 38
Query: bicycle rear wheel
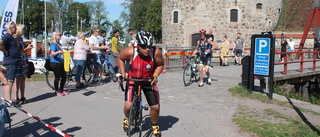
pixel 92 74
pixel 135 119
pixel 112 73
pixel 187 75
pixel 50 79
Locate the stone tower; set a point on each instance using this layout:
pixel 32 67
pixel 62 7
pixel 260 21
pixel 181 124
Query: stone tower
pixel 182 19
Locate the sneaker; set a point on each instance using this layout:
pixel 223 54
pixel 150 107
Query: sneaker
pixel 200 84
pixel 65 92
pixel 125 124
pixel 209 81
pixel 156 131
pixel 59 93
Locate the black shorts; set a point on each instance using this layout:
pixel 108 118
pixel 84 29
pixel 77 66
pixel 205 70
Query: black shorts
pixel 150 91
pixel 205 59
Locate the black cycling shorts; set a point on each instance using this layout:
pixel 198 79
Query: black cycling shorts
pixel 150 91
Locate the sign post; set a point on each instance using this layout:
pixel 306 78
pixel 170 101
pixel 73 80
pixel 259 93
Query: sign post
pixel 262 51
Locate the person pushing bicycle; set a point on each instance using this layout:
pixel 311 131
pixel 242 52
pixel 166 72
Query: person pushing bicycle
pixel 204 47
pixel 145 61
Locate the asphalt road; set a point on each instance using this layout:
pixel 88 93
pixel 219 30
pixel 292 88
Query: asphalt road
pixel 98 111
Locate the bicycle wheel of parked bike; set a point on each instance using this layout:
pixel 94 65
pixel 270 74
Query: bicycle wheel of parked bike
pixel 50 79
pixel 135 119
pixel 112 73
pixel 92 74
pixel 187 75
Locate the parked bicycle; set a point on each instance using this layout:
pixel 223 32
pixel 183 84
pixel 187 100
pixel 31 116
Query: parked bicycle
pixel 191 70
pixel 135 115
pixel 109 68
pixel 91 74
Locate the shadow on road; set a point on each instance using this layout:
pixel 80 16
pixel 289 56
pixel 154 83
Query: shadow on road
pixel 305 120
pixel 31 127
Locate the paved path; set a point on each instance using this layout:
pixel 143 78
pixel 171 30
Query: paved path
pixel 97 111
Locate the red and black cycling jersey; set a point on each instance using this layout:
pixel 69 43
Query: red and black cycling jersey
pixel 142 67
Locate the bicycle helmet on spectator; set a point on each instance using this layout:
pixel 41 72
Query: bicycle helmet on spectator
pixel 202 31
pixel 144 38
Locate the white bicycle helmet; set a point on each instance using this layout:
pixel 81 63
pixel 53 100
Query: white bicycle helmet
pixel 144 38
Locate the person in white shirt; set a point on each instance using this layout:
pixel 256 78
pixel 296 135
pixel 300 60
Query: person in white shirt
pixel 95 46
pixel 291 48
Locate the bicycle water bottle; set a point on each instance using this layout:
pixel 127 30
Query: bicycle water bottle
pixel 194 66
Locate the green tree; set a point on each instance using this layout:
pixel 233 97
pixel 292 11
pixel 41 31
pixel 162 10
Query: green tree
pixel 137 13
pixel 154 19
pixel 33 17
pixel 116 25
pixel 78 14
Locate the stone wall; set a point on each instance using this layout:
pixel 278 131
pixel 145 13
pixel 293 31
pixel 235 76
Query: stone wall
pixel 194 15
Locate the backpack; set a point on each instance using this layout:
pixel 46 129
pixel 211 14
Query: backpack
pixel 4 117
pixel 31 69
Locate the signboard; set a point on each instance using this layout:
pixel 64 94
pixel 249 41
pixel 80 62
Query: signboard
pixel 262 56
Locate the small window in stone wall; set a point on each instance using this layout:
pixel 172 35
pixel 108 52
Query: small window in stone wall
pixel 259 6
pixel 175 17
pixel 234 15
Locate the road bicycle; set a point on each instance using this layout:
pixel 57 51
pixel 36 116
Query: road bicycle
pixel 135 115
pixel 191 70
pixel 108 68
pixel 91 73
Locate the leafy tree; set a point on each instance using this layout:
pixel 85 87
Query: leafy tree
pixel 116 25
pixel 34 16
pixel 61 9
pixel 137 13
pixel 154 19
pixel 78 14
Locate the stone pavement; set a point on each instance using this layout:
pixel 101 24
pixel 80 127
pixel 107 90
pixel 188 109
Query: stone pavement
pixel 98 111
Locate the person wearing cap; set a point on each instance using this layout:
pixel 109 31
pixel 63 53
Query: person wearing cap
pixel 204 49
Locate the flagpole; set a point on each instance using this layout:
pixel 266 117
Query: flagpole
pixel 45 28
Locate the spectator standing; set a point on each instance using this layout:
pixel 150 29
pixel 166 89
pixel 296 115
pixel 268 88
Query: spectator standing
pixel 316 46
pixel 284 46
pixel 94 44
pixel 56 63
pixel 224 50
pixel 238 48
pixel 115 42
pixel 128 37
pixel 210 35
pixel 80 56
pixel 22 66
pixel 11 56
pixel 291 48
pixel 103 35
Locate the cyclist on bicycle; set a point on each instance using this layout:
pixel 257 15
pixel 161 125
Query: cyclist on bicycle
pixel 204 47
pixel 145 61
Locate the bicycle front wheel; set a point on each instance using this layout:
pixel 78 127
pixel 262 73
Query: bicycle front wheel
pixel 135 119
pixel 112 73
pixel 50 79
pixel 92 74
pixel 187 75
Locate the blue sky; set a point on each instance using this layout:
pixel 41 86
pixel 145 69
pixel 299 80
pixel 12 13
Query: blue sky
pixel 113 7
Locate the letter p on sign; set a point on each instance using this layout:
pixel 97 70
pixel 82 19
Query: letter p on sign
pixel 263 44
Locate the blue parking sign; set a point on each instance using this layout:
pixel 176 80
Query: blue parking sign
pixel 262 56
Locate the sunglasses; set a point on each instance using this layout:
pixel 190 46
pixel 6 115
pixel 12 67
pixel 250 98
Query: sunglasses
pixel 98 31
pixel 145 46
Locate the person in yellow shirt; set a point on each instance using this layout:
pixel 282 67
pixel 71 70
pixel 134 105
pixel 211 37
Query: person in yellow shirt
pixel 115 42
